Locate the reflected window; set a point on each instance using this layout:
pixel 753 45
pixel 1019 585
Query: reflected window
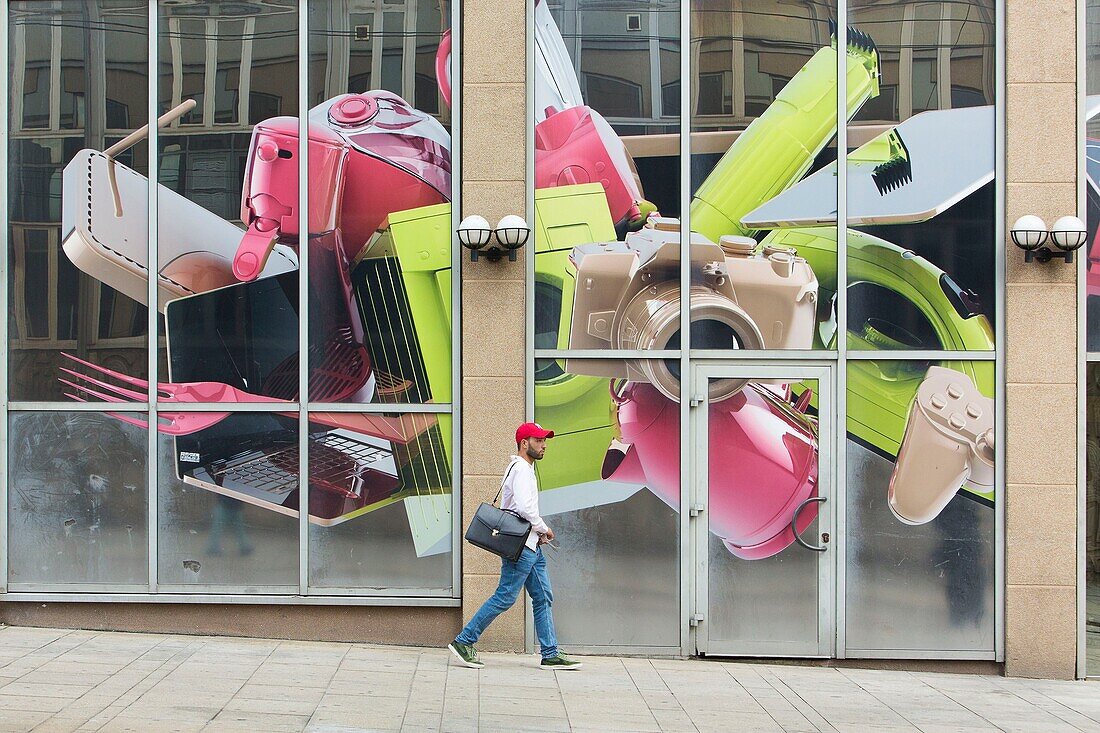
pixel 715 94
pixel 613 97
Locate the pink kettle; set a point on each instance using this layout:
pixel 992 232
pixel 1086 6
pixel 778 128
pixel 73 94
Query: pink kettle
pixel 577 145
pixel 763 461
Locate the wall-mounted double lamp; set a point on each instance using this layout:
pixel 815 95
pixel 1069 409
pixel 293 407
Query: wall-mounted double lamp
pixel 1029 233
pixel 510 234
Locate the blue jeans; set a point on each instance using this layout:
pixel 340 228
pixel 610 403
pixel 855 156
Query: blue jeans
pixel 529 572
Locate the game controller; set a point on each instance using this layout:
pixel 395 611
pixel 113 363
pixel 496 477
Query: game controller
pixel 948 441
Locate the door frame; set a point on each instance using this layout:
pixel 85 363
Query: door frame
pixel 830 512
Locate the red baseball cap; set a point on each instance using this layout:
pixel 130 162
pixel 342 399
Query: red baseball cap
pixel 532 430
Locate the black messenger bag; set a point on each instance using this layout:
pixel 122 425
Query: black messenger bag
pixel 499 531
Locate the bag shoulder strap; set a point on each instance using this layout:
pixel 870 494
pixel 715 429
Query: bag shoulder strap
pixel 504 481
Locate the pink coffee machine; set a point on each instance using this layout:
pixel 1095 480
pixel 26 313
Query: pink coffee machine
pixel 763 461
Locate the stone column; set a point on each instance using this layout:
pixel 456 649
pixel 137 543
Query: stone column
pixel 494 131
pixel 1041 342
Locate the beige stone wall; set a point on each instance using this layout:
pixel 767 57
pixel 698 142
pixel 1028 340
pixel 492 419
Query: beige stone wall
pixel 494 132
pixel 1041 344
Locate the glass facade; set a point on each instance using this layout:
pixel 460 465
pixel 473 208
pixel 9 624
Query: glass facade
pixel 247 433
pixel 744 166
pixel 844 540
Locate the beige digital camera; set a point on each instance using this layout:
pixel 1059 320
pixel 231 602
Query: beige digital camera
pixel 743 296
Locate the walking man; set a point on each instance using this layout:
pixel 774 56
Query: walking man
pixel 520 493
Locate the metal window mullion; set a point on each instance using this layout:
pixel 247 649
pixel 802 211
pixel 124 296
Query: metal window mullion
pixel 1000 277
pixel 43 406
pixel 4 266
pixel 529 351
pixel 840 516
pixel 246 595
pixel 607 353
pixel 933 355
pixel 456 297
pixel 234 407
pixel 775 354
pixel 367 408
pixel 152 474
pixel 687 546
pixel 303 298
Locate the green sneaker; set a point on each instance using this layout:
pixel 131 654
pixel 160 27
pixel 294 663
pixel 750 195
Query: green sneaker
pixel 560 661
pixel 466 654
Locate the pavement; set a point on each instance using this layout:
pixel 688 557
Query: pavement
pixel 65 680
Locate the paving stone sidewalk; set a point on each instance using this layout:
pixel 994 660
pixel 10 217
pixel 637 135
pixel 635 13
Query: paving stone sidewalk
pixel 59 680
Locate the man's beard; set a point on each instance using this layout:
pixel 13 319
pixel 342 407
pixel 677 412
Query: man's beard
pixel 533 454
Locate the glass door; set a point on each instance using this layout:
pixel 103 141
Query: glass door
pixel 762 511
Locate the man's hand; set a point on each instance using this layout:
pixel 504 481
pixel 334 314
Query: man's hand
pixel 549 536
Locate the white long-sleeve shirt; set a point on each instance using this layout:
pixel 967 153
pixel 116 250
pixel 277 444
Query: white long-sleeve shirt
pixel 520 493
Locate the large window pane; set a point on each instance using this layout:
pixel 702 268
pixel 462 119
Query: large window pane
pixel 921 201
pixel 78 82
pixel 763 123
pixel 610 490
pixel 920 515
pixel 76 501
pixel 380 214
pixel 380 501
pixel 228 501
pixel 228 220
pixel 607 175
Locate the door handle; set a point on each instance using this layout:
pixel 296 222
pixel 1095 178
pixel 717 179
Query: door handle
pixel 794 524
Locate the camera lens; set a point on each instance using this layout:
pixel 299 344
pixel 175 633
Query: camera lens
pixel 652 321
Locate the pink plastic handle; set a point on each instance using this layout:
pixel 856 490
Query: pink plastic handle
pixel 255 248
pixel 443 65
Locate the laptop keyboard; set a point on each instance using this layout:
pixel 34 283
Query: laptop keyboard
pixel 333 460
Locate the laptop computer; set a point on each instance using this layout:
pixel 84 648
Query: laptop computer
pixel 246 335
pixel 254 456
